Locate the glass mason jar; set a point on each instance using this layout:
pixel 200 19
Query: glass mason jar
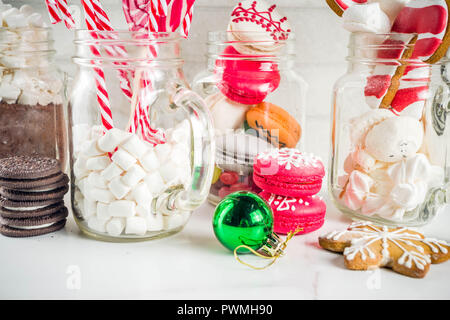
pixel 257 102
pixel 389 140
pixel 141 142
pixel 32 120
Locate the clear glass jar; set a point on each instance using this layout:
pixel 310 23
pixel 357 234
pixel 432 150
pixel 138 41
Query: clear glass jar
pixel 32 114
pixel 257 101
pixel 389 140
pixel 140 179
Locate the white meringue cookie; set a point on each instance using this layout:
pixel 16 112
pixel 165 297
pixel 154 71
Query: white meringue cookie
pixel 260 37
pixel 363 159
pixel 359 126
pixel 366 18
pixel 394 139
pixel 358 188
pixel 407 196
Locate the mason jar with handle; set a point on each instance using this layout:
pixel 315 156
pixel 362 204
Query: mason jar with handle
pixel 257 101
pixel 390 136
pixel 141 142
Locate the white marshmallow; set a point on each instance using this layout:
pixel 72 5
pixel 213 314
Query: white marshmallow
pixel 142 195
pixel 163 151
pixel 26 10
pixel 98 163
pixel 134 175
pixel 90 149
pixel 80 133
pixel 8 91
pixel 180 154
pixel 89 208
pixel 35 20
pixel 155 222
pixel 111 172
pixel 181 133
pixel 112 139
pixel 135 146
pixel 79 205
pixel 115 226
pixel 96 224
pixel 96 132
pixel 103 211
pixel 79 167
pixel 169 172
pixel 81 184
pixel 118 188
pixel 155 183
pixel 96 180
pixel 14 19
pixel 136 225
pixel 101 195
pixel 123 159
pixel 149 161
pixel 122 209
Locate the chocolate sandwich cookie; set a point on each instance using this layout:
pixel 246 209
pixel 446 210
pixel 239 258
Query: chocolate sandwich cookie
pixel 29 212
pixel 24 205
pixel 32 195
pixel 33 225
pixel 25 167
pixel 55 181
pixel 23 232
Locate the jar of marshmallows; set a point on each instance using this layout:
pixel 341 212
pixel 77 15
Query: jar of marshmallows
pixel 32 120
pixel 256 98
pixel 141 142
pixel 390 141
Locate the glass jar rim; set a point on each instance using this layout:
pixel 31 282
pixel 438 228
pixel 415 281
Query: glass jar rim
pixel 118 41
pixel 365 44
pixel 124 36
pixel 212 35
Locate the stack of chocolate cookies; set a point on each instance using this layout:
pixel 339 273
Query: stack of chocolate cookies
pixel 31 196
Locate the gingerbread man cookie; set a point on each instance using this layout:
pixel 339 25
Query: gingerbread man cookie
pixel 366 246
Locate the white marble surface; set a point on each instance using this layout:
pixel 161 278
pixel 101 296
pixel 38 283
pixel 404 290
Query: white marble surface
pixel 193 265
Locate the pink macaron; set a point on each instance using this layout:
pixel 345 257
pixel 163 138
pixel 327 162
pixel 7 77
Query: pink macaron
pixel 288 172
pixel 290 213
pixel 244 78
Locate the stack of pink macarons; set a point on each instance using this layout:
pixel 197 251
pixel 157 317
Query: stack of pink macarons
pixel 290 181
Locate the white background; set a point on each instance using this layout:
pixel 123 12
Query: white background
pixel 192 264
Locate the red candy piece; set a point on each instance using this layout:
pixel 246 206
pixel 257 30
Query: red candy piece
pixel 229 178
pixel 246 81
pixel 224 191
pixel 240 187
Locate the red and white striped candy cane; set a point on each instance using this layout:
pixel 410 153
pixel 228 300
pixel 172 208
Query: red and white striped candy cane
pixel 58 10
pixel 98 17
pixel 102 93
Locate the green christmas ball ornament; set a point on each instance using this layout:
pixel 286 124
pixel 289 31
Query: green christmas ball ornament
pixel 245 219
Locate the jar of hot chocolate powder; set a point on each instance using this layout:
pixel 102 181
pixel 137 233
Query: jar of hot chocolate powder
pixel 32 120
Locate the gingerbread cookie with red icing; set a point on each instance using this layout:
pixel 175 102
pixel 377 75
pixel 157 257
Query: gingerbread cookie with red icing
pixel 424 24
pixel 366 246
